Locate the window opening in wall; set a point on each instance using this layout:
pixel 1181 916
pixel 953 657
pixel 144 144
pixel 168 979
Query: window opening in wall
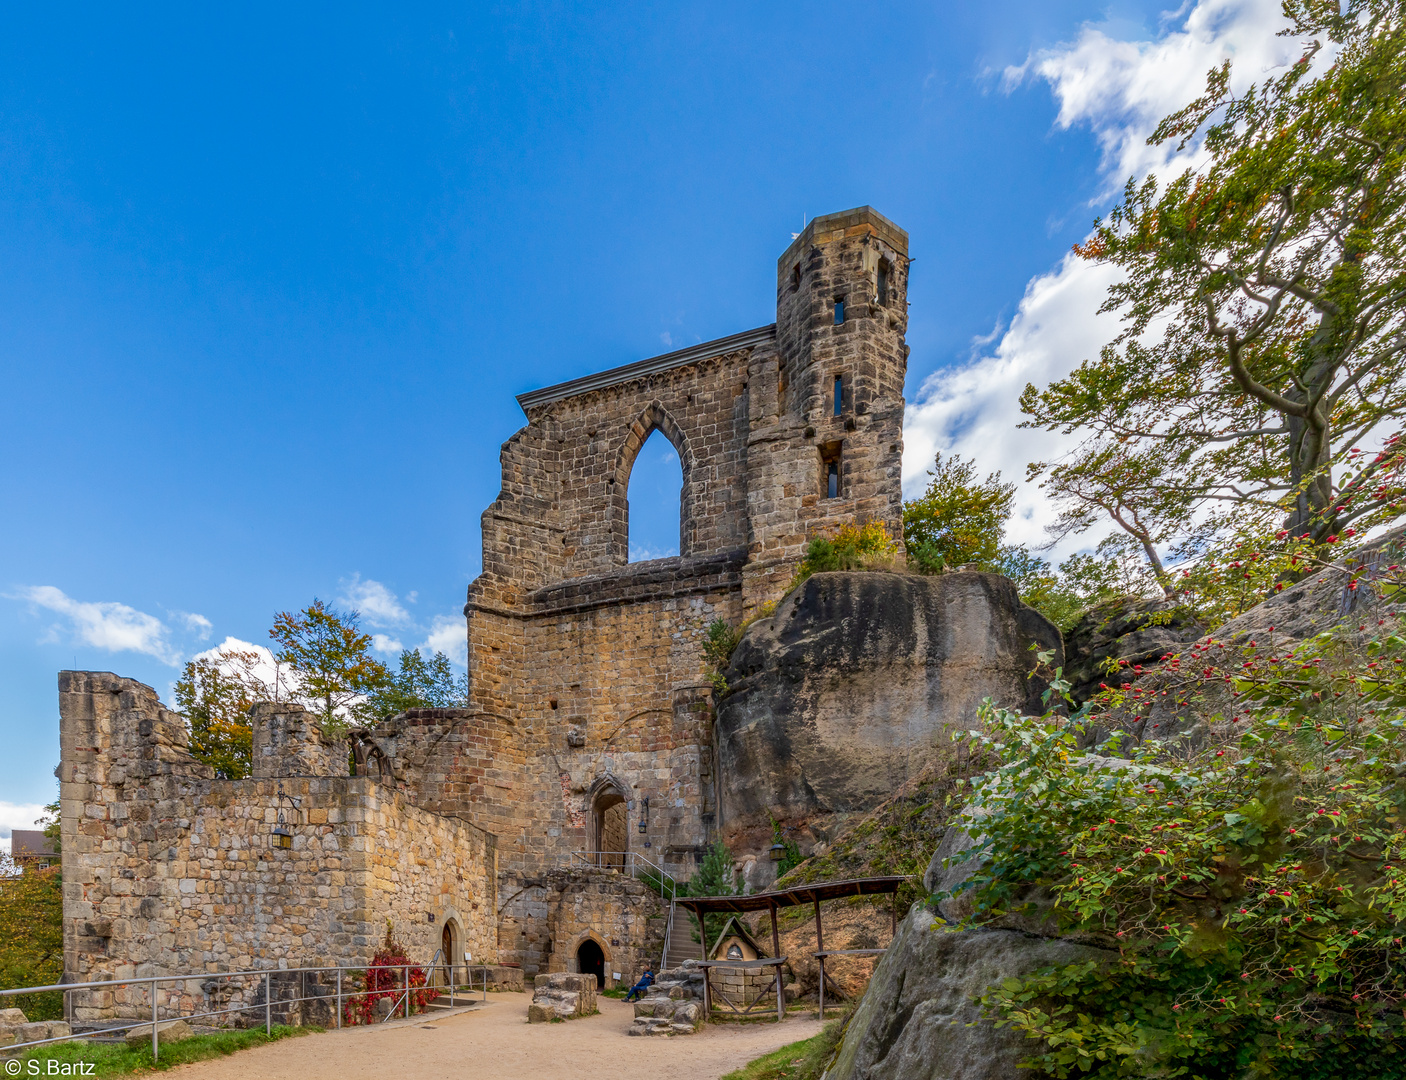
pixel 832 479
pixel 883 282
pixel 839 394
pixel 654 500
pixel 612 828
pixel 795 277
pixel 839 310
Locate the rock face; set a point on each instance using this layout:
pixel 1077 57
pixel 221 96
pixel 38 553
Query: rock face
pixel 674 1004
pixel 837 698
pixel 918 1020
pixel 168 1031
pixel 1138 630
pixel 562 996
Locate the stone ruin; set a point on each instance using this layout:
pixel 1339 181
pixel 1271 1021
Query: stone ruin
pixel 591 742
pixel 562 996
pixel 673 1004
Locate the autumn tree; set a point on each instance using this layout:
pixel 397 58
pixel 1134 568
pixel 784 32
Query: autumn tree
pixel 1263 299
pixel 330 660
pixel 31 937
pixel 214 694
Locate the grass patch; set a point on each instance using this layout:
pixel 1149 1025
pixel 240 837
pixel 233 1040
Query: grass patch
pixel 114 1059
pixel 804 1060
pixel 617 992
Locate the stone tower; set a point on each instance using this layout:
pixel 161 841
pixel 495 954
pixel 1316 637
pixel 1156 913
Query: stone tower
pixel 826 445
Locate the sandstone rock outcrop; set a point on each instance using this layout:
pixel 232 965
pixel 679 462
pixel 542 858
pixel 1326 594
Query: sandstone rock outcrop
pixel 17 1029
pixel 674 1003
pixel 838 698
pixel 1135 629
pixel 918 1019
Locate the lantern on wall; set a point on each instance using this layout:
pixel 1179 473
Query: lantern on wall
pixel 644 814
pixel 282 836
pixel 777 851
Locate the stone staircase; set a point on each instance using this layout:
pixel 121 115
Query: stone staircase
pixel 681 944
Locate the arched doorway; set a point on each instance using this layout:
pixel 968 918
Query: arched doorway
pixel 611 819
pixel 447 947
pixel 590 960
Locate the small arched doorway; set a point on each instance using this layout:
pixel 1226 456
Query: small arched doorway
pixel 611 819
pixel 447 947
pixel 590 960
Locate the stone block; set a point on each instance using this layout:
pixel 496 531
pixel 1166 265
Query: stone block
pixel 12 1017
pixel 168 1031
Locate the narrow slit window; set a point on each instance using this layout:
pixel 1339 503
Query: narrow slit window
pixel 839 394
pixel 839 310
pixel 832 479
pixel 795 277
pixel 883 282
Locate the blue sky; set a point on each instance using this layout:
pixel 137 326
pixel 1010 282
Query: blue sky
pixel 271 277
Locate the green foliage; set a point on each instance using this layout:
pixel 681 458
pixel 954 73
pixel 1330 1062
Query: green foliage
pixel 791 856
pixel 1253 881
pixel 214 695
pixel 31 939
pixel 330 657
pixel 866 546
pixel 419 683
pixel 804 1060
pixel 718 644
pixel 109 1059
pixel 715 877
pixel 1262 297
pixel 957 520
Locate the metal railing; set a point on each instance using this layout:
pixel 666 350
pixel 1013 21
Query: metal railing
pixel 334 996
pixel 632 863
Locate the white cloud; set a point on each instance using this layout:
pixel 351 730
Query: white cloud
pixel 198 625
pixel 106 625
pixel 17 816
pixel 384 643
pixel 1120 90
pixel 264 668
pixel 377 604
pixel 449 636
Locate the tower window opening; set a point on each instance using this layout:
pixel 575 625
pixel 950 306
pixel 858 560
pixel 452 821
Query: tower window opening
pixel 839 310
pixel 832 479
pixel 795 277
pixel 830 458
pixel 839 394
pixel 883 282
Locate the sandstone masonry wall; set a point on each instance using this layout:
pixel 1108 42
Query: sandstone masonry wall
pixel 167 869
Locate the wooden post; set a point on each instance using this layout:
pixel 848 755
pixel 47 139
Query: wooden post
pixel 893 918
pixel 702 934
pixel 821 961
pixel 820 948
pixel 775 938
pixel 780 999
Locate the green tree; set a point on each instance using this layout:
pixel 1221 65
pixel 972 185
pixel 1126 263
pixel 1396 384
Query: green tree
pixel 958 519
pixel 1263 296
pixel 715 877
pixel 419 683
pixel 329 657
pixel 214 695
pixel 31 938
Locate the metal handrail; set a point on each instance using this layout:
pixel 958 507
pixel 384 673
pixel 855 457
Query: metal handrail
pixel 594 859
pixel 267 975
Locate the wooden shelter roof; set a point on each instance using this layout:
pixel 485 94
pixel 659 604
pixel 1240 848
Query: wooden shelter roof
pixel 796 895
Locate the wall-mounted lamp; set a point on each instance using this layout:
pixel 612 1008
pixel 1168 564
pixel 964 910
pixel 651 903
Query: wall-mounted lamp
pixel 644 814
pixel 777 851
pixel 282 836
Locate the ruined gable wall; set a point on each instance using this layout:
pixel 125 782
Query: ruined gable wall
pixel 166 869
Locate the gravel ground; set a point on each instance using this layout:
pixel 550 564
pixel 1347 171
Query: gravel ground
pixel 495 1042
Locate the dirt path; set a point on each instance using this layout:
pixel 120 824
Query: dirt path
pixel 496 1043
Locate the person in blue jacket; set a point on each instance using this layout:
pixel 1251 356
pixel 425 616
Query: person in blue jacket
pixel 637 991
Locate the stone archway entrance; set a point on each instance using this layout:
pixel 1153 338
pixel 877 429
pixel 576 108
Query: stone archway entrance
pixel 611 826
pixel 590 960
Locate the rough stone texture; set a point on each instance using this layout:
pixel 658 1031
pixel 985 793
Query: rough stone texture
pixel 839 696
pixel 673 1004
pixel 288 741
pixel 562 996
pixel 587 672
pixel 918 1020
pixel 166 869
pixel 168 1031
pixel 1135 629
pixel 16 1028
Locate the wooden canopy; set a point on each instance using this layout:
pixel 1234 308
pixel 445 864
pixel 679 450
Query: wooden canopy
pixel 795 896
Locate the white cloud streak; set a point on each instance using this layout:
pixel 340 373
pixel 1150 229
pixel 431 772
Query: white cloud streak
pixel 449 636
pixel 104 624
pixel 377 604
pixel 1120 90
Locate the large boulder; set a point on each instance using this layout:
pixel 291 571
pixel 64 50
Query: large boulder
pixel 562 995
pixel 919 1019
pixel 1136 630
pixel 841 695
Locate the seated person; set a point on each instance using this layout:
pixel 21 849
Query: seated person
pixel 640 987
